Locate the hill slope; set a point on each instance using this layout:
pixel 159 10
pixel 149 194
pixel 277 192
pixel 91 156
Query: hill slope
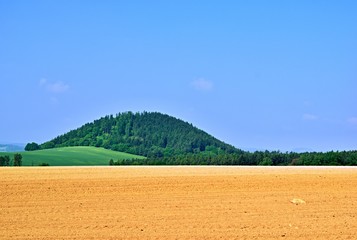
pixel 72 156
pixel 145 134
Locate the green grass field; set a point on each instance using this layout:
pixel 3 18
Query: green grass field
pixel 71 156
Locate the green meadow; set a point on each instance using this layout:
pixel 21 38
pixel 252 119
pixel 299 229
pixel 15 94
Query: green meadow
pixel 71 156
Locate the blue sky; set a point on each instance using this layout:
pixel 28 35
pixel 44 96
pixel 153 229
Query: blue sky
pixel 277 75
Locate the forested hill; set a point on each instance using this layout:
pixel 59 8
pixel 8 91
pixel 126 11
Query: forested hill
pixel 147 134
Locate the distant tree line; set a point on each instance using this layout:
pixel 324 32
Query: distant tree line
pixel 264 158
pixel 6 161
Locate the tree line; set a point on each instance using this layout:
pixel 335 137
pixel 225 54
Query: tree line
pixel 5 161
pixel 264 158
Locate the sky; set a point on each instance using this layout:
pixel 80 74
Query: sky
pixel 276 75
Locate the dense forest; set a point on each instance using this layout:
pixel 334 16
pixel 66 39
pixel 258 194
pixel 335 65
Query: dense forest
pixel 266 158
pixel 166 140
pixel 147 134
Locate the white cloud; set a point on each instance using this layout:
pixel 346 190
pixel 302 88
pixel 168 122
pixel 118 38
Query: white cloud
pixel 54 87
pixel 309 117
pixel 202 84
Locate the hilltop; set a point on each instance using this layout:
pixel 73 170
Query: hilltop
pixel 147 134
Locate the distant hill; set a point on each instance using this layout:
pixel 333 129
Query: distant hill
pixel 12 147
pixel 146 134
pixel 73 156
pixel 160 139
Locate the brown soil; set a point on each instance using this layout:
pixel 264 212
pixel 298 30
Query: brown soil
pixel 178 203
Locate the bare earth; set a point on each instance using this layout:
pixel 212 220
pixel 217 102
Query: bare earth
pixel 178 203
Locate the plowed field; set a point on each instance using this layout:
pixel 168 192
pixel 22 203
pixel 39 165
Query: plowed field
pixel 178 203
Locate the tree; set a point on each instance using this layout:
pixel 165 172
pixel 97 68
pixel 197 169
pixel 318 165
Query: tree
pixel 111 162
pixel 4 161
pixel 266 161
pixel 7 160
pixel 17 160
pixel 32 147
pixel 48 145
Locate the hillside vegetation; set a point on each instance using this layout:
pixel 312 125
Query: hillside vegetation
pixel 145 134
pixel 165 140
pixel 73 156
